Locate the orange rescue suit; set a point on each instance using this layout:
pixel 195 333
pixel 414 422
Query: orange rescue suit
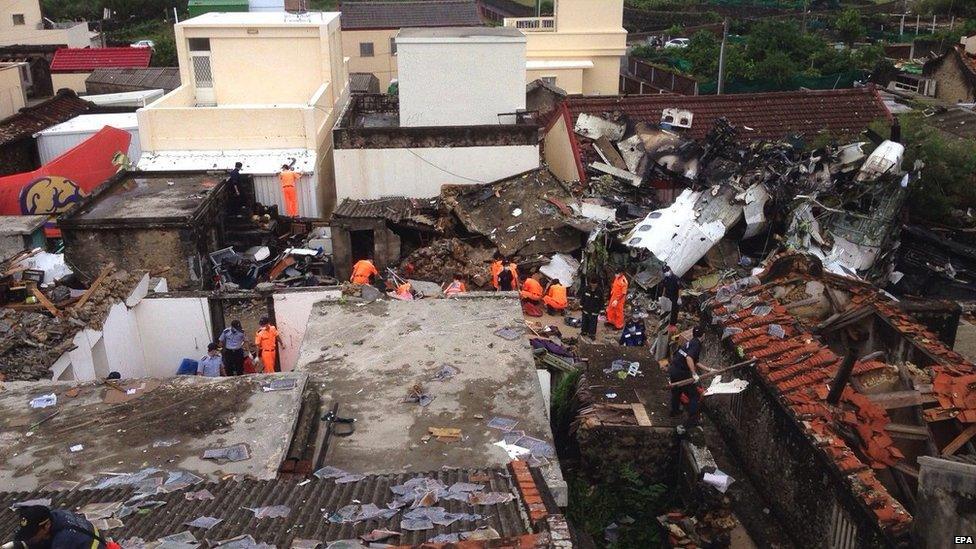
pixel 496 269
pixel 532 290
pixel 618 296
pixel 289 179
pixel 266 340
pixel 556 297
pixel 456 287
pixel 362 271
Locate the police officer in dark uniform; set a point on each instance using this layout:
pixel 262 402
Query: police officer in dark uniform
pixel 591 302
pixel 41 527
pixel 684 365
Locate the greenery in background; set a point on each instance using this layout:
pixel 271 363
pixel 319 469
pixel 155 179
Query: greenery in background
pixel 160 32
pixel 594 508
pixel 849 27
pixel 959 8
pixel 562 396
pixel 948 179
pixel 772 51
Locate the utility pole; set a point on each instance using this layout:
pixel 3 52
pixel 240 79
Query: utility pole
pixel 538 8
pixel 901 30
pixel 721 59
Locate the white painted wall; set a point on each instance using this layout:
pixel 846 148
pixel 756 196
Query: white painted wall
pixel 123 343
pixel 172 329
pixel 291 312
pixel 419 173
pixel 460 80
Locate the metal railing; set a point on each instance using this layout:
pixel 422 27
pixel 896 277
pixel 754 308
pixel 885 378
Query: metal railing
pixel 532 24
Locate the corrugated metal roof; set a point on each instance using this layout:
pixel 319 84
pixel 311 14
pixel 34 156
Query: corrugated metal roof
pixel 363 82
pixel 86 123
pixel 163 78
pixel 957 121
pixel 63 106
pixel 310 504
pixel 256 162
pixel 396 15
pixel 89 59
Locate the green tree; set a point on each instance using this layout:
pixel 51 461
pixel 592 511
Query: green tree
pixel 777 69
pixel 849 27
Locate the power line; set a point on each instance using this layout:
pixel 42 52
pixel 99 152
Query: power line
pixel 443 169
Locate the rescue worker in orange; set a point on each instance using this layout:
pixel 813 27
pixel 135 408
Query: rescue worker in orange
pixel 267 342
pixel 363 272
pixel 532 290
pixel 289 179
pixel 555 298
pixel 500 264
pixel 456 286
pixel 618 298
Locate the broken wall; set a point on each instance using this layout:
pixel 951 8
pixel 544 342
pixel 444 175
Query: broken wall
pixel 291 311
pixel 946 502
pixel 652 452
pixel 559 153
pixel 803 490
pixel 173 328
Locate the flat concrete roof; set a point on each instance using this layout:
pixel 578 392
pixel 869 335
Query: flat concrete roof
pixel 166 424
pixel 460 34
pixel 12 225
pixel 146 196
pixel 366 357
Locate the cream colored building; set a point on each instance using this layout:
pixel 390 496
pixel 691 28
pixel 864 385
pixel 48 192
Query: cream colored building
pixel 369 30
pixel 263 89
pixel 579 48
pixel 12 93
pixel 21 23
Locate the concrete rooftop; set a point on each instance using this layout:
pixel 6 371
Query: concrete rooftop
pixel 365 357
pixel 150 196
pixel 166 424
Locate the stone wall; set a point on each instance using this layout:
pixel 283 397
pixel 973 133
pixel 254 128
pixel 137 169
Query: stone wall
pixel 946 503
pixel 805 491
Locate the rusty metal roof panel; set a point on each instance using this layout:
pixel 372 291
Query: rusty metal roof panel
pixel 394 208
pixel 310 504
pixel 30 120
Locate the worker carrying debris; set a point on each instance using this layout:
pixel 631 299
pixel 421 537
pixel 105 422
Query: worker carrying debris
pixel 591 302
pixel 555 298
pixel 211 365
pixel 232 341
pixel 289 178
pixel 532 290
pixel 508 280
pixel 267 342
pixel 456 286
pixel 684 365
pixel 57 529
pixel 634 333
pixel 618 298
pixel 363 272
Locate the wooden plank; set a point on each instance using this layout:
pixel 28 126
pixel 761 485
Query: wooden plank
pixel 91 289
pixel 960 440
pixel 902 430
pixel 906 468
pixel 45 301
pixel 640 412
pixel 901 399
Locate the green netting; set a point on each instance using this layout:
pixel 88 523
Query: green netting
pixel 827 82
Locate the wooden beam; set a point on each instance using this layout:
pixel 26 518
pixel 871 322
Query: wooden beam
pixel 960 440
pixel 91 289
pixel 43 300
pixel 901 399
pixel 902 430
pixel 906 468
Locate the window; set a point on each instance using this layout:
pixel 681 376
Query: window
pixel 365 49
pixel 393 45
pixel 551 80
pixel 199 44
pixel 19 19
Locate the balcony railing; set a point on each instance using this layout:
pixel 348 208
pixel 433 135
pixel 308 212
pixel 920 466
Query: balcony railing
pixel 532 24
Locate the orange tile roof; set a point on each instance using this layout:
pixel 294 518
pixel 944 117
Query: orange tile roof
pixel 798 367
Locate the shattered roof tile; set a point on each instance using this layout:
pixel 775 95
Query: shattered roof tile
pixel 89 59
pixel 413 13
pixel 395 208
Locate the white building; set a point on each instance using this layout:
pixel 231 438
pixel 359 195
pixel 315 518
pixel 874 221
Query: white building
pixel 459 117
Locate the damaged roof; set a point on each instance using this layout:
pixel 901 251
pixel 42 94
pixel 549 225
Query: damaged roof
pixel 769 116
pixel 395 209
pixel 310 504
pixel 957 122
pixel 413 13
pixel 797 368
pixel 523 214
pixel 30 120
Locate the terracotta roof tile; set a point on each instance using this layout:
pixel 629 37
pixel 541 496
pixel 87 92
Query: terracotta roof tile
pixel 89 59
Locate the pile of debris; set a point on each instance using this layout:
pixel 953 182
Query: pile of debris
pixel 446 257
pixel 38 323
